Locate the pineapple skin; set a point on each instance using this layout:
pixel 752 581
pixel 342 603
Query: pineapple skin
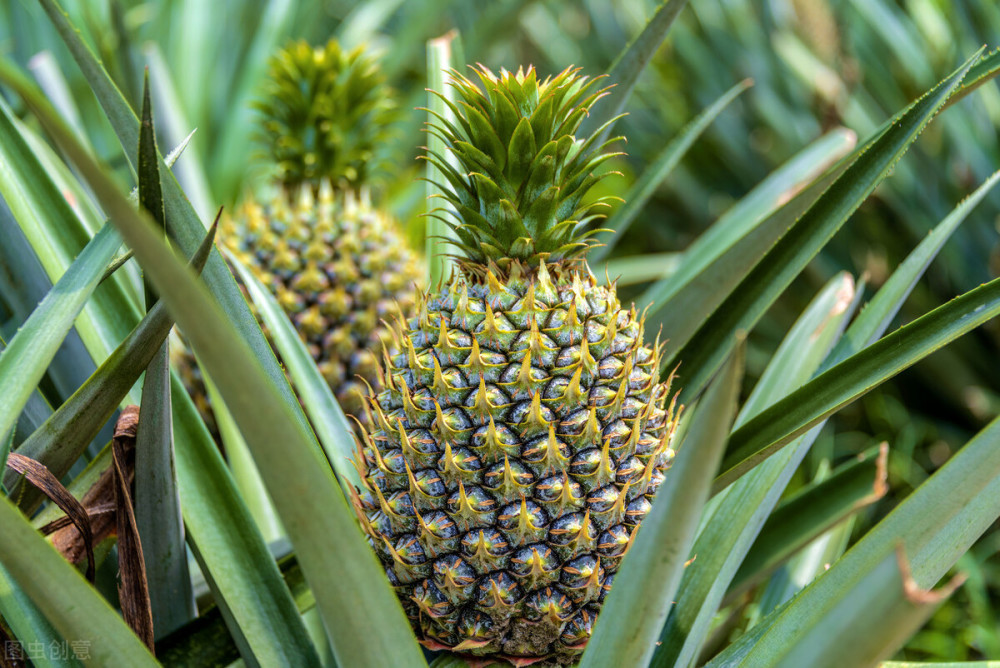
pixel 340 269
pixel 516 446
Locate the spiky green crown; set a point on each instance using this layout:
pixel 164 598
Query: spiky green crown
pixel 326 112
pixel 519 190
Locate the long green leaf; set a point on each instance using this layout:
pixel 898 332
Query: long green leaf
pixel 981 73
pixel 655 173
pixel 625 71
pixel 45 68
pixel 242 575
pixel 366 622
pixel 63 437
pixel 175 129
pixel 731 522
pixel 248 480
pixel 803 567
pixel 721 257
pixel 840 385
pixel 771 476
pixel 877 315
pixel 777 269
pixel 157 505
pixel 938 664
pixel 810 513
pixel 935 525
pixel 30 626
pixel 640 268
pixel 332 428
pixel 62 594
pixel 878 614
pixel 39 189
pixel 183 223
pixel 438 234
pixel 6 445
pixel 24 360
pixel 245 582
pixel 762 201
pixel 647 581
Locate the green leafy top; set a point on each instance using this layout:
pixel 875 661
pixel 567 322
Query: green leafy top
pixel 326 112
pixel 521 177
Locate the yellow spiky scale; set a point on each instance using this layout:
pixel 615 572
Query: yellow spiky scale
pixel 576 537
pixel 494 286
pixel 524 528
pixel 396 520
pixel 590 589
pixel 553 460
pixel 525 381
pixel 534 568
pixel 494 332
pixel 492 448
pixel 481 557
pixel 616 513
pixel 527 311
pixel 534 422
pixel 587 361
pixel 411 356
pixel 549 426
pixel 468 510
pixel 605 471
pixel 420 498
pixel 510 484
pixel 475 363
pixel 439 386
pixel 634 434
pixel 412 411
pixel 481 406
pixel 574 395
pixel 446 349
pixel 429 606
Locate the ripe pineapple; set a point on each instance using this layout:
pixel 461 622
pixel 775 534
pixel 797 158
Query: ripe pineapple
pixel 522 430
pixel 338 265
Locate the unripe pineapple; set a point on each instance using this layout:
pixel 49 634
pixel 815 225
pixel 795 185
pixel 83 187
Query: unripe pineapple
pixel 522 430
pixel 339 266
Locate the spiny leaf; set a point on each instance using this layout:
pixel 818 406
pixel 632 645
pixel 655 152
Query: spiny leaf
pixel 789 256
pixel 645 586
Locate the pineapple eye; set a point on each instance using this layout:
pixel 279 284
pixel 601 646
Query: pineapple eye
pixel 498 591
pixel 603 499
pixel 613 542
pixel 578 629
pixel 537 562
pixel 512 473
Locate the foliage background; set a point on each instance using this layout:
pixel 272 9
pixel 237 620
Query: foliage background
pixel 816 66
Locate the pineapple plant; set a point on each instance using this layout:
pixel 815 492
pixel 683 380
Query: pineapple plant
pixel 338 265
pixel 522 429
pixel 680 595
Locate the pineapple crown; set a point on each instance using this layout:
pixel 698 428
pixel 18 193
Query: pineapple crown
pixel 326 113
pixel 519 189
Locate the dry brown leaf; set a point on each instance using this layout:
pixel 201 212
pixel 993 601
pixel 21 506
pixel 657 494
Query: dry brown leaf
pixel 43 479
pixel 133 590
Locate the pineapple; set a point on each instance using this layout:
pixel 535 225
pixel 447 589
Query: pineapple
pixel 522 430
pixel 338 265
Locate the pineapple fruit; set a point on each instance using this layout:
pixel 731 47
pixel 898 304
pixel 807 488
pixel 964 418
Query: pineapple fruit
pixel 522 430
pixel 338 265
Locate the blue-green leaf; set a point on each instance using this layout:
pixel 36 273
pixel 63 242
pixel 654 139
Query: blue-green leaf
pixel 645 586
pixel 776 270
